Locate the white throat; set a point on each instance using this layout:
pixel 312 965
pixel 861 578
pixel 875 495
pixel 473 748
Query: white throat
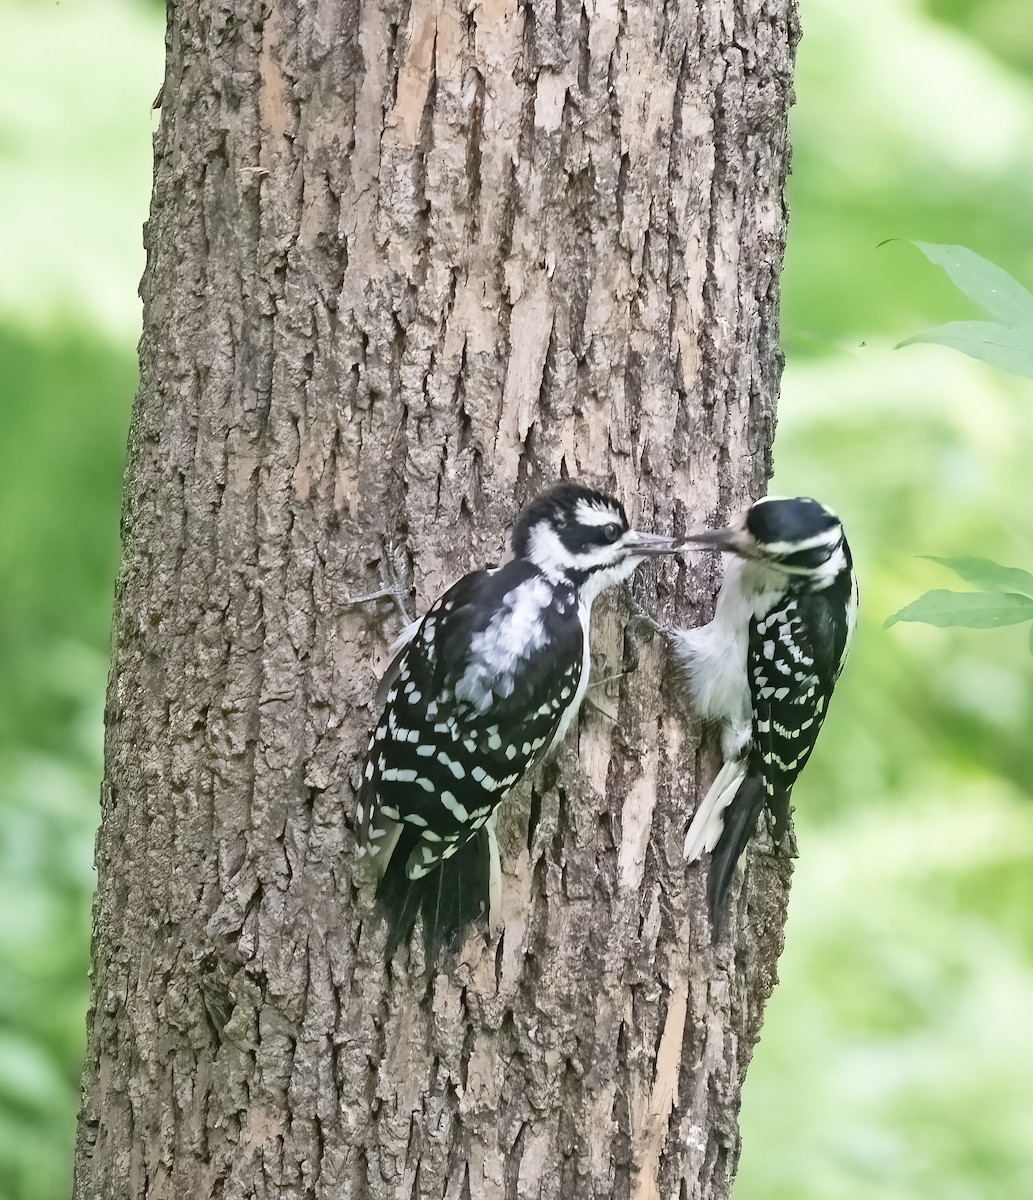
pixel 608 577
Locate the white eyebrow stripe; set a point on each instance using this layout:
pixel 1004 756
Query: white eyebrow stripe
pixel 592 512
pixel 830 538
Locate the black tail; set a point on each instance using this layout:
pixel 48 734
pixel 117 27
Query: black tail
pixel 739 825
pixel 449 899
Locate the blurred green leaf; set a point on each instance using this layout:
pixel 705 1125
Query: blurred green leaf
pixel 988 575
pixel 989 285
pixel 1007 342
pixel 1004 346
pixel 970 610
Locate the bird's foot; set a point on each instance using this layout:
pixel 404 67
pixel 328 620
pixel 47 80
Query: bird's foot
pixel 640 613
pixel 393 570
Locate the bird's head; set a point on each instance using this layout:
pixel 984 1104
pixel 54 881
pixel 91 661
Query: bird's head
pixel 576 533
pixel 796 538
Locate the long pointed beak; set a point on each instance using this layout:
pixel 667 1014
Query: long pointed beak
pixel 650 543
pixel 713 539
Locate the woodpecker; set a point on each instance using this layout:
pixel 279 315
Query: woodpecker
pixel 482 689
pixel 764 669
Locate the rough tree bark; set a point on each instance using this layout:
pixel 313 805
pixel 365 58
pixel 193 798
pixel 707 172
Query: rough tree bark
pixel 407 262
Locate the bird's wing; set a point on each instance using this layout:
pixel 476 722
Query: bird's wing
pixel 795 655
pixel 475 696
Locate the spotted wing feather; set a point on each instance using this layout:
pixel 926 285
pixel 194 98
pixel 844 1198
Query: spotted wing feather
pixel 476 698
pixel 795 657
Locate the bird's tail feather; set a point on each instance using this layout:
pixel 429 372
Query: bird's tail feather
pixel 449 898
pixel 705 828
pixel 739 824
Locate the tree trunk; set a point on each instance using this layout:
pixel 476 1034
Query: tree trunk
pixel 407 264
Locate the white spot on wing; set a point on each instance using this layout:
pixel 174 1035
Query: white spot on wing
pixel 398 775
pixel 454 807
pixel 457 768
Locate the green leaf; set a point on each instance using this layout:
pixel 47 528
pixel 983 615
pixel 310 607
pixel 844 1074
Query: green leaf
pixel 991 287
pixel 1002 346
pixel 988 575
pixel 971 610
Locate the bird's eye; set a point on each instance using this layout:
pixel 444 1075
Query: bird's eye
pixel 612 531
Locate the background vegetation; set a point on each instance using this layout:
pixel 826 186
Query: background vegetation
pixel 898 1051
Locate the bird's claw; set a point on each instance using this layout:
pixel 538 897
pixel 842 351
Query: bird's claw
pixel 393 570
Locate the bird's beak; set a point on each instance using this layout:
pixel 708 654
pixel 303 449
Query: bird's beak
pixel 715 539
pixel 649 543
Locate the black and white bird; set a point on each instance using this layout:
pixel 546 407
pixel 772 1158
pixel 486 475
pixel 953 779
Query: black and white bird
pixel 483 688
pixel 764 669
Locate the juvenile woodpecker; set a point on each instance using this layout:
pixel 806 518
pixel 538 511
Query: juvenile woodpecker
pixel 764 669
pixel 483 688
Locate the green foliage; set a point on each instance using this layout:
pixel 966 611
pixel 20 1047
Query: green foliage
pixel 903 127
pixel 46 881
pixel 60 472
pixel 61 454
pixel 75 130
pixel 60 469
pixel 896 1056
pixel 1000 345
pixel 75 127
pixel 971 610
pixel 991 288
pixel 1007 342
pixel 1006 598
pixel 988 575
pixel 903 989
pixel 1008 345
